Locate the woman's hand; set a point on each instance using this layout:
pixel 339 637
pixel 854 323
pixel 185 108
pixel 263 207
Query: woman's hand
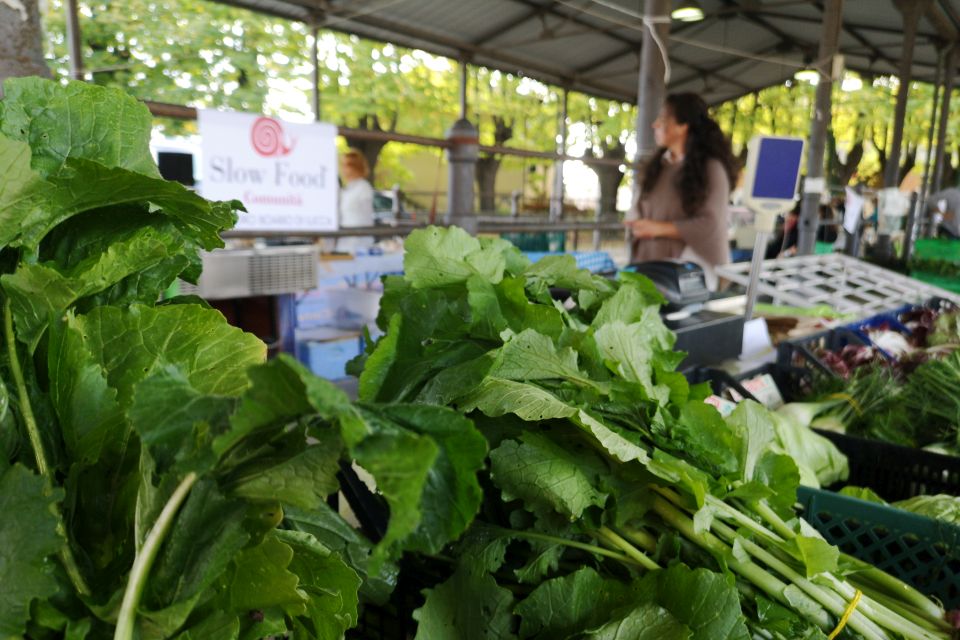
pixel 649 229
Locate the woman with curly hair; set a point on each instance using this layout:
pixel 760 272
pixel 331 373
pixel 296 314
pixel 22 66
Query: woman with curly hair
pixel 683 208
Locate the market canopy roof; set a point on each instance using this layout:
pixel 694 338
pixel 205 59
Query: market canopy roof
pixel 594 45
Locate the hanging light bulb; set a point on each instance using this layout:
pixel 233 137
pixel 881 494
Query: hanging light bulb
pixel 688 11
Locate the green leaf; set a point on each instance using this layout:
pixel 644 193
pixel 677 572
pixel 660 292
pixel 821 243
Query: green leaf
pixel 468 606
pixel 281 391
pixel 30 207
pixel 218 626
pixel 435 257
pixel 206 536
pixel 262 579
pixel 130 344
pixel 630 352
pixel 28 540
pixel 39 292
pixel 544 475
pixel 704 601
pixel 333 532
pixel 452 494
pixel 620 443
pixel 77 120
pixel 531 356
pixel 328 582
pixel 704 439
pixel 304 480
pixel 544 560
pixel 400 463
pixel 753 426
pixel 459 380
pixel 570 605
pixel 496 397
pixel 635 302
pixel 176 422
pixel 646 622
pixel 562 272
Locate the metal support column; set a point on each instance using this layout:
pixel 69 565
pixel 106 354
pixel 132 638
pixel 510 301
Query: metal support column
pixel 819 124
pixel 948 77
pixel 314 57
pixel 556 194
pixel 74 40
pixel 919 214
pixel 463 89
pixel 652 89
pixel 911 10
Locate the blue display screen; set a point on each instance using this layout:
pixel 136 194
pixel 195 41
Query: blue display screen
pixel 778 164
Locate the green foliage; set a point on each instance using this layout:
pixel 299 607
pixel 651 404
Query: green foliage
pixel 148 452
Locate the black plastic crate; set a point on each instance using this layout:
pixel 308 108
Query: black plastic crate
pixel 896 472
pixel 799 361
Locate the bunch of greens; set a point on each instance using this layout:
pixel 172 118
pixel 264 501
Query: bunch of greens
pixel 147 453
pixel 617 504
pixel 921 409
pixel 936 266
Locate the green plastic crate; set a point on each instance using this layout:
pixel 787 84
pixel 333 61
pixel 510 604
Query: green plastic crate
pixel 920 551
pixel 937 249
pixel 553 241
pixel 823 248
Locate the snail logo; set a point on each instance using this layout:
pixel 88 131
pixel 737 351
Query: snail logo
pixel 267 138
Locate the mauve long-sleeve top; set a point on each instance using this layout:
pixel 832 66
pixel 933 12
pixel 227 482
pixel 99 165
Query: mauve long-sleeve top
pixel 705 233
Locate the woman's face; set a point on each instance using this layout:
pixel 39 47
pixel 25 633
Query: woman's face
pixel 346 171
pixel 667 131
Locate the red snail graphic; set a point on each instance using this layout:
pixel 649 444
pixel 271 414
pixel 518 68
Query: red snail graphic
pixel 268 139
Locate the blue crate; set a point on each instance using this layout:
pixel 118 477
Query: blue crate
pixel 329 358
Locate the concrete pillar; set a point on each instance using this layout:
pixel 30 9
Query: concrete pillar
pixel 953 58
pixel 462 156
pixel 819 124
pixel 911 10
pixel 74 40
pixel 556 194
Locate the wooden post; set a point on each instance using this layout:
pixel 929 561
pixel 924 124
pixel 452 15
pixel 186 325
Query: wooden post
pixel 819 124
pixel 314 57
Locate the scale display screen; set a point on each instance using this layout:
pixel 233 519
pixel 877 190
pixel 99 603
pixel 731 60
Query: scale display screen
pixel 778 163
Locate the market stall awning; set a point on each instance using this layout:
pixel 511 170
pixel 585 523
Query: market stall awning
pixel 594 45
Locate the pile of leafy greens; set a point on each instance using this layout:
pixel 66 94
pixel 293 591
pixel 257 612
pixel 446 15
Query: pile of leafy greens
pixel 147 452
pixel 617 504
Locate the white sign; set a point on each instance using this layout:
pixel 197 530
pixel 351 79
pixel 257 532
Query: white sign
pixel 284 173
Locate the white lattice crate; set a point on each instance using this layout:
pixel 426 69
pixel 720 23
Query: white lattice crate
pixel 241 273
pixel 845 284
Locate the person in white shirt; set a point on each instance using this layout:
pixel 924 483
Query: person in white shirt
pixel 356 201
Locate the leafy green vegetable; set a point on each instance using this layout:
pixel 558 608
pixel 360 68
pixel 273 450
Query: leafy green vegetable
pixel 616 504
pixel 147 453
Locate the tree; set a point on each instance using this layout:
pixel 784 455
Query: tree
pixel 21 41
pixel 489 164
pixel 610 125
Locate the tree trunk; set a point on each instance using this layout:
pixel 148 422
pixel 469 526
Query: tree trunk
pixel 610 177
pixel 489 165
pixel 909 160
pixel 21 40
pixel 371 148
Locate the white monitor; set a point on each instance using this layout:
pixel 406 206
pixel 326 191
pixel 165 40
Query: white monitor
pixel 771 178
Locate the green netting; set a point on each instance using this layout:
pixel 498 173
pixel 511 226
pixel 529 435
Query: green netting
pixel 937 248
pixel 553 241
pixel 918 550
pixel 950 283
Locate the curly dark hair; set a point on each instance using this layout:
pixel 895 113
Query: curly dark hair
pixel 705 140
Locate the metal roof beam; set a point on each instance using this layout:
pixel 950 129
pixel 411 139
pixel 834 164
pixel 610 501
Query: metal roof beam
pixel 608 32
pixel 752 17
pixel 507 26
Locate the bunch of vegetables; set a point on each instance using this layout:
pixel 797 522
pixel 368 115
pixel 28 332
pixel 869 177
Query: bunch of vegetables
pixel 147 452
pixel 941 507
pixel 616 503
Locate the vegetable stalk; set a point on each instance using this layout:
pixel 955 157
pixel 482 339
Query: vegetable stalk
pixel 144 560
